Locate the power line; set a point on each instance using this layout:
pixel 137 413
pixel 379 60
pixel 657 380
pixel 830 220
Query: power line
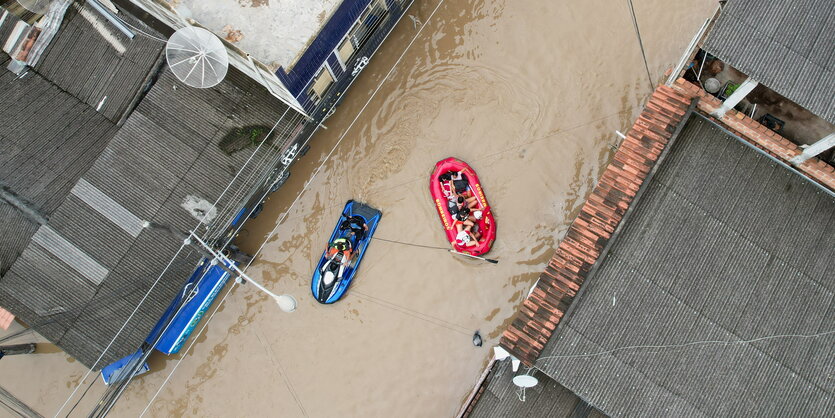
pixel 431 247
pixel 309 182
pixel 640 42
pixel 86 375
pixel 502 151
pixel 688 344
pixel 188 349
pixel 415 314
pixel 200 223
pixel 230 208
pixel 109 397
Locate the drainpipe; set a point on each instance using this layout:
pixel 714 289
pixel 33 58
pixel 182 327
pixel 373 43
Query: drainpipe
pixel 118 23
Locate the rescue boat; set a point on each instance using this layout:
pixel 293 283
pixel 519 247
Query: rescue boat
pixel 443 192
pixel 331 279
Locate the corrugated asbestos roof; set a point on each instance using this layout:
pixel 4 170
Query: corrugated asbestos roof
pixel 788 45
pixel 548 399
pixel 95 62
pixel 724 245
pixel 48 138
pixel 155 160
pixel 77 282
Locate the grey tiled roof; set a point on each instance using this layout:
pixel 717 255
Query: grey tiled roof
pixel 725 245
pixel 788 45
pixel 48 138
pixel 15 232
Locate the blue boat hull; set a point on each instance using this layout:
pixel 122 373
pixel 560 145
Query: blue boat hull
pixel 203 286
pixel 330 294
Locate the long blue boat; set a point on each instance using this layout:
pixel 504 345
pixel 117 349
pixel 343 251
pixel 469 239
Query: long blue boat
pixel 195 298
pixel 331 279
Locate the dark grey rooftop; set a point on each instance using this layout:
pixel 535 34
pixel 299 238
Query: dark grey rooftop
pixel 77 278
pixel 788 45
pixel 48 138
pixel 51 132
pixel 93 262
pixel 99 64
pixel 725 245
pixel 548 399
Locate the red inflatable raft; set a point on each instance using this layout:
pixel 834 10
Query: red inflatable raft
pixel 443 190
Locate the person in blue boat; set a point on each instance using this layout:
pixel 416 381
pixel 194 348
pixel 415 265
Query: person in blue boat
pixel 357 226
pixel 339 257
pixel 341 250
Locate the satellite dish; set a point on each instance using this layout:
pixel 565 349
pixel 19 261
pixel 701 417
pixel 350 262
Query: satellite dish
pixel 35 6
pixel 525 381
pixel 196 57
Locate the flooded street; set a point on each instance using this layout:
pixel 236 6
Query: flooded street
pixel 530 94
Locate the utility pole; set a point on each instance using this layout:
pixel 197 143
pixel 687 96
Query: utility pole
pixel 286 303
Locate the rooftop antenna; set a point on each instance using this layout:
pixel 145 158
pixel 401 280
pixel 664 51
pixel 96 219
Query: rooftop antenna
pixel 35 6
pixel 196 57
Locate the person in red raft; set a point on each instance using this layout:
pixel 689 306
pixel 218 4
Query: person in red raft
pixel 463 206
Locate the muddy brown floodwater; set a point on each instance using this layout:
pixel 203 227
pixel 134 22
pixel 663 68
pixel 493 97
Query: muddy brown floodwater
pixel 530 94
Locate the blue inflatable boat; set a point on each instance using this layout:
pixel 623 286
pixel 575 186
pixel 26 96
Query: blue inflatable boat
pixel 345 249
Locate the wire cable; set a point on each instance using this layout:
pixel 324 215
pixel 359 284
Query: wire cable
pixel 188 349
pixel 200 223
pixel 529 141
pixel 301 193
pixel 688 344
pixel 141 32
pixel 640 42
pixel 136 309
pixel 410 244
pixel 116 390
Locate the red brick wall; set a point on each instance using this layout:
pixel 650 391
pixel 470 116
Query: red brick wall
pixel 759 135
pixel 540 313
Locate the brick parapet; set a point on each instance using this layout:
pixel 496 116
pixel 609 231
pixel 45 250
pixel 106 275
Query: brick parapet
pixel 542 311
pixel 606 206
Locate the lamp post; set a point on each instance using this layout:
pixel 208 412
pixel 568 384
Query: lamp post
pixel 286 303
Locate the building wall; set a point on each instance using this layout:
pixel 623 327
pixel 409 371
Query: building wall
pixel 322 46
pixel 163 12
pixel 322 52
